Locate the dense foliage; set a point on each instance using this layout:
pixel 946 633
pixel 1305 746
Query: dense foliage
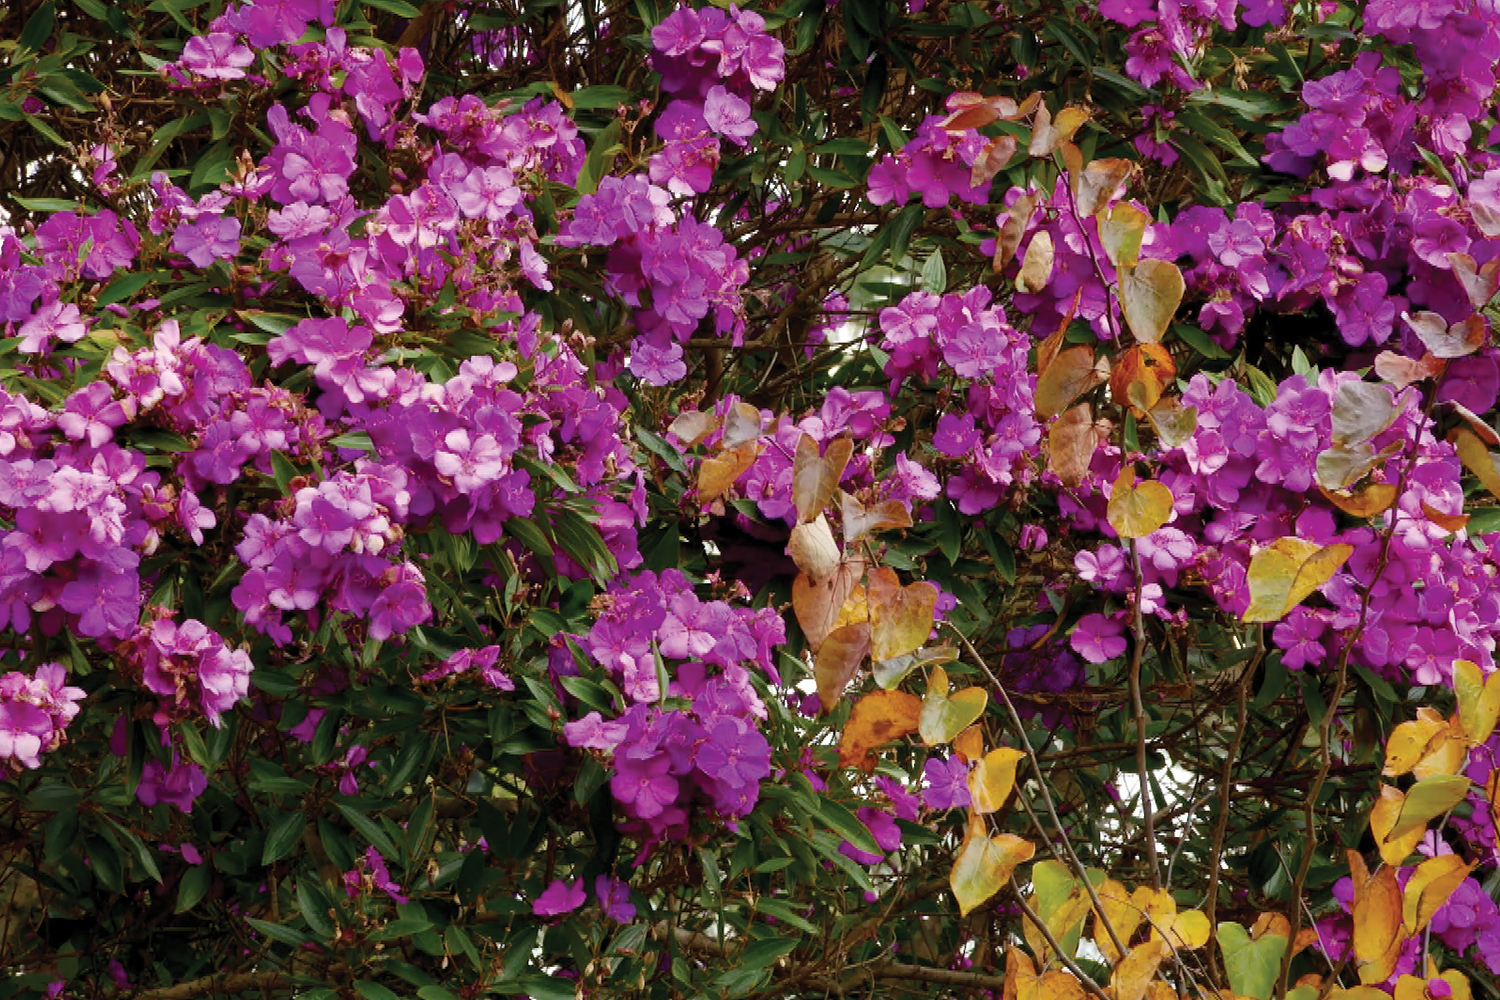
pixel 876 498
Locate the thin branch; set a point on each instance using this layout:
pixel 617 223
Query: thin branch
pixel 220 986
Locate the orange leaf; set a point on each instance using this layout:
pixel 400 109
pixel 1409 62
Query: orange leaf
pixel 1137 510
pixel 1375 498
pixel 818 601
pixel 1099 183
pixel 1013 229
pixel 984 863
pixel 969 744
pixel 1150 293
pixel 837 661
pixel 1146 365
pixel 815 478
pixel 875 720
pixel 1378 934
pixel 860 520
pixel 1071 374
pixel 1071 442
pixel 1283 574
pixel 1401 371
pixel 1036 266
pixel 900 617
pixel 993 779
pixel 718 473
pixel 1448 522
pixel 1137 969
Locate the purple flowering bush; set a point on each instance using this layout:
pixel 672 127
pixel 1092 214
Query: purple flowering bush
pixel 569 500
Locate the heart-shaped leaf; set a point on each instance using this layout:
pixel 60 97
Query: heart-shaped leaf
pixel 838 660
pixel 1150 293
pixel 900 617
pixel 1477 458
pixel 1378 934
pixel 1361 410
pixel 1173 422
pixel 1132 974
pixel 984 863
pixel 1071 442
pixel 741 425
pixel 1478 699
pixel 1412 740
pixel 1480 283
pixel 1253 966
pixel 1137 509
pixel 1393 850
pixel 1401 371
pixel 1071 374
pixel 1284 573
pixel 692 426
pixel 1141 375
pixel 1014 229
pixel 889 673
pixel 815 477
pixel 1443 341
pixel 1375 498
pixel 944 716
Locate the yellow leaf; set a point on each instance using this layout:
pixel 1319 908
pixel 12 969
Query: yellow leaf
pixel 1121 230
pixel 1189 929
pixel 1150 293
pixel 1477 459
pixel 944 716
pixel 993 779
pixel 838 660
pixel 1120 912
pixel 876 719
pixel 984 863
pixel 1036 266
pixel 1137 969
pixel 1429 888
pixel 1071 374
pixel 900 617
pixel 815 477
pixel 1393 850
pixel 1478 700
pixel 1448 755
pixel 1284 573
pixel 1378 934
pixel 1428 799
pixel 1137 510
pixel 1410 742
pixel 969 744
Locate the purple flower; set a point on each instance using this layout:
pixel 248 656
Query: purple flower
pixel 180 785
pixel 947 783
pixel 55 320
pixel 212 238
pixel 614 898
pixel 728 115
pixel 882 827
pixel 644 785
pixel 1099 638
pixel 107 604
pixel 560 897
pixel 216 56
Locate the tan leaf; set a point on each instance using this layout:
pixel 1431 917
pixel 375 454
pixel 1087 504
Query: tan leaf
pixel 815 477
pixel 818 601
pixel 1480 283
pixel 860 520
pixel 741 425
pixel 838 660
pixel 1401 371
pixel 1137 969
pixel 692 426
pixel 1174 423
pixel 995 157
pixel 984 863
pixel 1283 574
pixel 1099 183
pixel 1378 934
pixel 1477 458
pixel 1036 268
pixel 718 473
pixel 1071 442
pixel 1150 293
pixel 813 549
pixel 1459 340
pixel 1071 374
pixel 1017 223
pixel 1148 366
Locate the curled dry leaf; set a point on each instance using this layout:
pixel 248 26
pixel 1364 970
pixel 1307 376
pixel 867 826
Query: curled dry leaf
pixel 1071 442
pixel 1013 230
pixel 1480 283
pixel 1283 574
pixel 1476 423
pixel 1459 340
pixel 876 719
pixel 1136 510
pixel 813 549
pixel 995 157
pixel 1400 371
pixel 815 477
pixel 1071 374
pixel 1121 230
pixel 900 617
pixel 860 520
pixel 817 601
pixel 692 426
pixel 1146 366
pixel 741 425
pixel 1036 266
pixel 1150 293
pixel 838 660
pixel 1448 522
pixel 1098 183
pixel 717 473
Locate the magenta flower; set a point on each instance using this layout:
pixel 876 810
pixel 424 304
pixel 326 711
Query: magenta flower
pixel 1098 638
pixel 216 56
pixel 180 785
pixel 614 898
pixel 560 897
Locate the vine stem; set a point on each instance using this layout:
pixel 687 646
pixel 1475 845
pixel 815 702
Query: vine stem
pixel 1041 780
pixel 1138 708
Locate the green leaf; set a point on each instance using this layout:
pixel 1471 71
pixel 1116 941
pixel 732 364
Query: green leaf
pixel 279 932
pixel 284 472
pixel 283 837
pixel 1252 966
pixel 934 273
pixel 49 205
pixel 193 887
pixel 761 954
pixel 1200 342
pixel 841 820
pixel 371 829
pixel 104 860
pixel 38 27
pixel 605 97
pixel 313 904
pixel 402 9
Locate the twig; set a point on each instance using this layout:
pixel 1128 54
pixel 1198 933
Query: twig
pixel 221 985
pixel 1046 932
pixel 1226 782
pixel 1138 708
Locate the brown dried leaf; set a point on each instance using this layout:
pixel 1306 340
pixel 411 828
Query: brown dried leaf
pixel 860 520
pixel 1071 374
pixel 995 157
pixel 1071 443
pixel 719 472
pixel 818 601
pixel 692 426
pixel 1036 268
pixel 838 661
pixel 1013 230
pixel 1099 183
pixel 815 478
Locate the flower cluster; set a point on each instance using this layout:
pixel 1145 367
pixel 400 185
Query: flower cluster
pixel 665 647
pixel 188 666
pixel 936 164
pixel 34 711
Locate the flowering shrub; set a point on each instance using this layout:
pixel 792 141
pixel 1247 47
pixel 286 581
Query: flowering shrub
pixel 668 500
